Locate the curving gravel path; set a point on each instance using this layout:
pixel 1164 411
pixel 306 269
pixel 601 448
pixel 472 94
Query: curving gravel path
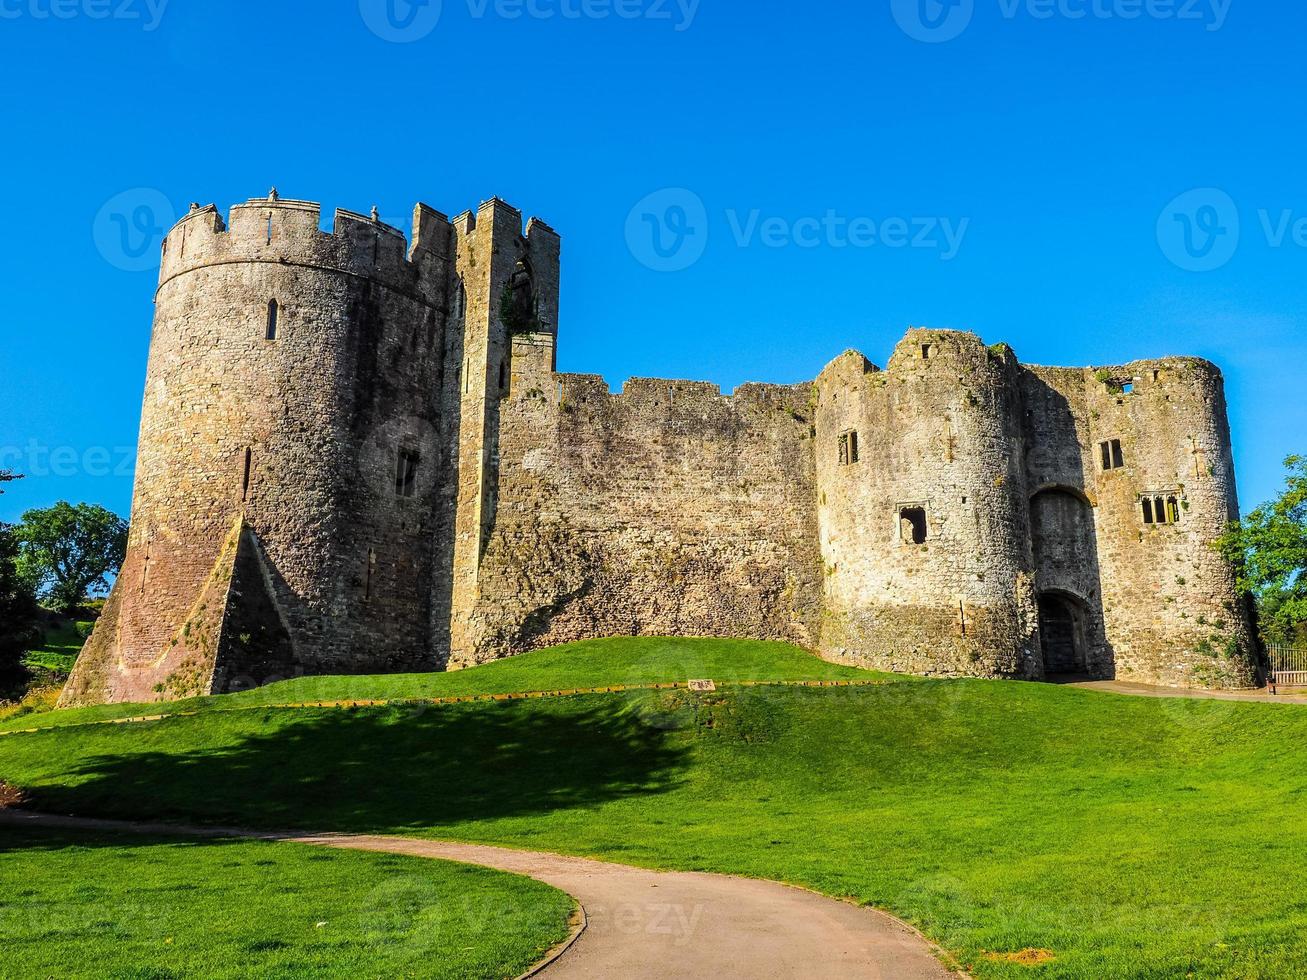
pixel 648 924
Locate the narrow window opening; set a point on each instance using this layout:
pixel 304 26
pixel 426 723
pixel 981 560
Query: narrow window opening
pixel 962 613
pixel 848 447
pixel 371 570
pixel 274 311
pixel 926 351
pixel 503 377
pixel 1157 375
pixel 1172 510
pixel 269 227
pixel 245 479
pixel 1118 456
pixel 912 525
pixel 1159 509
pixel 145 570
pixel 406 473
pixel 1148 511
pixel 1107 455
pixel 467 376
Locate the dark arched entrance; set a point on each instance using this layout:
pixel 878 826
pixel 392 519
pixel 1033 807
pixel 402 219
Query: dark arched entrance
pixel 1062 632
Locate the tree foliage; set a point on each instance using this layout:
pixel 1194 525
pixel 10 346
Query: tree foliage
pixel 18 630
pixel 67 552
pixel 1269 547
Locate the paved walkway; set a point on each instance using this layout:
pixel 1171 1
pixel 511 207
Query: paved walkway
pixel 1297 696
pixel 656 925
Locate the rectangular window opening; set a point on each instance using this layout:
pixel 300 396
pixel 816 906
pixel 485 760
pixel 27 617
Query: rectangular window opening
pixel 848 447
pixel 273 312
pixel 1113 455
pixel 912 525
pixel 406 473
pixel 245 479
pixel 1148 511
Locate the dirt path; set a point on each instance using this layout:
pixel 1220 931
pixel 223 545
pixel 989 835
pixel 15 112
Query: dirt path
pixel 647 924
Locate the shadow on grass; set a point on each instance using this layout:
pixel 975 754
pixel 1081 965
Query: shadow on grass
pixel 367 769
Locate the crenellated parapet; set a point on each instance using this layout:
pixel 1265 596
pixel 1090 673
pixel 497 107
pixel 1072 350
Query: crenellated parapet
pixel 288 233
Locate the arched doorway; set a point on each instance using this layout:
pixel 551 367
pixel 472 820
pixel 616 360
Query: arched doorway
pixel 1062 632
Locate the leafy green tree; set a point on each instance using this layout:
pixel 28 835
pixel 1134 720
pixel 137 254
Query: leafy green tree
pixel 1269 547
pixel 18 629
pixel 66 553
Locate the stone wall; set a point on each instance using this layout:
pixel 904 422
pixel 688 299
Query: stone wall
pixel 669 509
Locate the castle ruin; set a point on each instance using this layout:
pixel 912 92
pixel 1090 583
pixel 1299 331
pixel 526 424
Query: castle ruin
pixel 356 456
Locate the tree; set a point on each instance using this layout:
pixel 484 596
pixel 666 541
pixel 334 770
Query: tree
pixel 18 630
pixel 1269 547
pixel 67 552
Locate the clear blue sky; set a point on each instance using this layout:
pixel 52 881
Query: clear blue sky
pixel 1054 144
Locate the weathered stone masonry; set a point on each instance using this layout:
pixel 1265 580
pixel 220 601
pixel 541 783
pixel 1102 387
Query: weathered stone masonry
pixel 356 455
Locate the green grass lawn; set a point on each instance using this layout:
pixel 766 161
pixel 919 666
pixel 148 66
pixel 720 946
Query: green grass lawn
pixel 589 664
pixel 81 904
pixel 1128 837
pixel 63 642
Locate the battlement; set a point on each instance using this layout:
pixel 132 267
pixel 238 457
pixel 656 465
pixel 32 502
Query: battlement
pixel 466 223
pixel 289 232
pixel 641 395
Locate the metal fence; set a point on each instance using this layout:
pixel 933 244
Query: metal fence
pixel 1288 666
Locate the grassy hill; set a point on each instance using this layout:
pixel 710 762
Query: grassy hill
pixel 80 904
pixel 620 661
pixel 63 639
pixel 1122 837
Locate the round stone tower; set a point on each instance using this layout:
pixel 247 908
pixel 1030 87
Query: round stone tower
pixel 924 527
pixel 288 472
pixel 1160 443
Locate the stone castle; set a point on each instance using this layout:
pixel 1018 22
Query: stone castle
pixel 356 456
